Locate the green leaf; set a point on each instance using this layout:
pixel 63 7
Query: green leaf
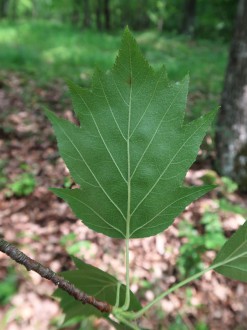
pixel 94 282
pixel 233 256
pixel 132 151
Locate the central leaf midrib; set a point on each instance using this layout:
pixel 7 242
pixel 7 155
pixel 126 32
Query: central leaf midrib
pixel 128 215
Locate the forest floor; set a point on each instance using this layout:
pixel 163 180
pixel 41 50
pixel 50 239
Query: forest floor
pixel 41 225
pixel 44 227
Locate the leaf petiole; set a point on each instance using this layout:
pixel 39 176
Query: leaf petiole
pixel 118 295
pixel 129 324
pixel 167 292
pixel 127 294
pixel 136 315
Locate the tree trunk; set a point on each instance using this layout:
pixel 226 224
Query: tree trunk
pixel 98 12
pixel 75 18
pixel 86 14
pixel 107 14
pixel 3 8
pixel 189 15
pixel 13 10
pixel 231 133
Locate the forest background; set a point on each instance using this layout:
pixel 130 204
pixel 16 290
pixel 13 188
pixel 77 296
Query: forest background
pixel 43 43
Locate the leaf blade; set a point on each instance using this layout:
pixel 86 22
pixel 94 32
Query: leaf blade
pixel 132 150
pixel 233 256
pixel 94 282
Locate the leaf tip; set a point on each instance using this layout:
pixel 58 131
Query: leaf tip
pixel 127 30
pixel 127 37
pixel 187 77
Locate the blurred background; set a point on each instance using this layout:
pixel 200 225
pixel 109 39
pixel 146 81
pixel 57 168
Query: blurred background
pixel 45 42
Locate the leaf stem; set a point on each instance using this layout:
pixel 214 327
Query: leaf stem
pixel 172 289
pixel 127 294
pixel 118 295
pixel 133 316
pixel 126 322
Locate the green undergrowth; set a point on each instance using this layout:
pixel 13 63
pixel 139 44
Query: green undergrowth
pixel 8 286
pixel 46 50
pixel 211 238
pixel 22 185
pixel 207 234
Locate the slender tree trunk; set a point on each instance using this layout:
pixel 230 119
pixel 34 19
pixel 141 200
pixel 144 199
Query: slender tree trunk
pixel 75 18
pixel 189 15
pixel 3 8
pixel 98 12
pixel 13 10
pixel 231 135
pixel 86 14
pixel 107 14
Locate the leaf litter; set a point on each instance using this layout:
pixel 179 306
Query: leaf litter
pixel 37 223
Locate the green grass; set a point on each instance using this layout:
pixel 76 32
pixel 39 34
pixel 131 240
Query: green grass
pixel 46 50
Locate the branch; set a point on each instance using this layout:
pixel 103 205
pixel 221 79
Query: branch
pixel 47 273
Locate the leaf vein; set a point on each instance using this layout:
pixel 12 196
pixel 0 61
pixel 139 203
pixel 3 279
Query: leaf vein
pixel 79 160
pixel 96 125
pixel 169 205
pixel 235 267
pixel 120 92
pixel 147 107
pixel 110 108
pixel 168 109
pixel 166 168
pixel 98 215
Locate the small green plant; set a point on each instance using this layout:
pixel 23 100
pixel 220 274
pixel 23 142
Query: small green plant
pixel 229 185
pixel 178 323
pixel 189 261
pixel 74 247
pixel 129 157
pixel 212 238
pixel 67 182
pixel 228 206
pixel 24 185
pixel 8 286
pixel 3 178
pixel 225 185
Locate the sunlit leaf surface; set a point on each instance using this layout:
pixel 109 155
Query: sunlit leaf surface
pixel 132 150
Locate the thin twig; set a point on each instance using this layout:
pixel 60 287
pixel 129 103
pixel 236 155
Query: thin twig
pixel 47 273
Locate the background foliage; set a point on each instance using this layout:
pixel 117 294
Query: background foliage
pixel 43 43
pixel 213 19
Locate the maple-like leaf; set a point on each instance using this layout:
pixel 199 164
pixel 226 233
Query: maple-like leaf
pixel 232 258
pixel 132 150
pixel 94 282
